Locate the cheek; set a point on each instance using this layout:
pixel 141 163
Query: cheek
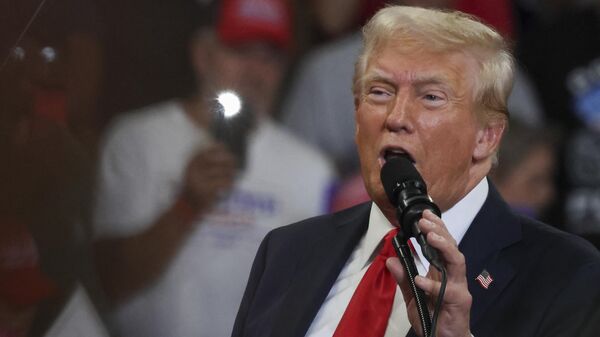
pixel 449 146
pixel 369 120
pixel 366 138
pixel 361 125
pixel 447 160
pixel 263 75
pixel 227 74
pixel 368 132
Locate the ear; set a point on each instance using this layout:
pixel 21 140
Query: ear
pixel 356 125
pixel 488 140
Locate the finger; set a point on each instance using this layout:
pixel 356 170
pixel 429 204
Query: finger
pixel 455 294
pixel 211 152
pixel 429 286
pixel 214 159
pixel 211 172
pixel 395 267
pixel 447 247
pixel 454 259
pixel 224 165
pixel 433 273
pixel 438 237
pixel 209 184
pixel 200 179
pixel 214 147
pixel 204 180
pixel 432 223
pixel 211 193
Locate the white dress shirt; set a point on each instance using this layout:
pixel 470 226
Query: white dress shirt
pixel 457 220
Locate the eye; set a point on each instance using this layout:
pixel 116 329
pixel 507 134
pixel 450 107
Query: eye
pixel 434 100
pixel 379 94
pixel 378 91
pixel 431 97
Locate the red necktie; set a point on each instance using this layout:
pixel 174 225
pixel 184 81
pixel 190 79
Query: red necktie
pixel 369 309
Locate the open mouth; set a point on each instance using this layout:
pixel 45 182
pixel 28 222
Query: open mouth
pixel 390 154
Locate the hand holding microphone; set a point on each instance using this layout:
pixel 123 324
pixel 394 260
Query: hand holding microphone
pixel 407 191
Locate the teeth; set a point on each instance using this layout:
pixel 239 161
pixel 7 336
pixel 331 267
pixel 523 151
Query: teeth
pixel 389 154
pixel 392 154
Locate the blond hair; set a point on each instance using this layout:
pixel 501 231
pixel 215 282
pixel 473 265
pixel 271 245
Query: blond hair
pixel 445 31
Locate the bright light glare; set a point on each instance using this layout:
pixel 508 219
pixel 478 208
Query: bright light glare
pixel 48 54
pixel 231 103
pixel 19 53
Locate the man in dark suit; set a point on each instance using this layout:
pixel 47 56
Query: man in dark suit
pixel 430 85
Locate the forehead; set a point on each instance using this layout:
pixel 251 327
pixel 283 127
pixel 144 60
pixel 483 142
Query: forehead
pixel 402 64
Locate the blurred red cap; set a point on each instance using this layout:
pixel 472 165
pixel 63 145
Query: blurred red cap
pixel 242 21
pixel 22 282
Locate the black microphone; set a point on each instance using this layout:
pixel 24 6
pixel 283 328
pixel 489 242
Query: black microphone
pixel 407 191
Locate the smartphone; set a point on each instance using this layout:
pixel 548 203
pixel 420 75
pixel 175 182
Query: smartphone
pixel 233 129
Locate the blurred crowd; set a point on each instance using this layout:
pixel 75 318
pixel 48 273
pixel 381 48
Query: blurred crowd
pixel 148 146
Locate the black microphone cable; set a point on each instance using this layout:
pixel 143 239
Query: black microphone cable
pixel 405 255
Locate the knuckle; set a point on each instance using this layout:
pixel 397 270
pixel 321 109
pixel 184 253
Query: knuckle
pixel 460 259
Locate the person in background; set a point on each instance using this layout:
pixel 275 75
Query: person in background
pixel 62 48
pixel 44 198
pixel 527 165
pixel 179 215
pixel 569 86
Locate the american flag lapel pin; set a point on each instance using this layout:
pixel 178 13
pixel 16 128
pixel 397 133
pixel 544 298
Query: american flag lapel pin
pixel 485 279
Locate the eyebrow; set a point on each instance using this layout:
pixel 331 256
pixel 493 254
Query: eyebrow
pixel 376 77
pixel 417 81
pixel 424 80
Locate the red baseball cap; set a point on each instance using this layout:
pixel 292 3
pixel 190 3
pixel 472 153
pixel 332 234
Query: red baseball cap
pixel 243 21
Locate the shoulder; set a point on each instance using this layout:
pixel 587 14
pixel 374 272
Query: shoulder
pixel 568 260
pixel 545 238
pixel 139 133
pixel 306 231
pixel 140 122
pixel 562 277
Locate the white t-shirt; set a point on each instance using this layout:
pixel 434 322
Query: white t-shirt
pixel 141 173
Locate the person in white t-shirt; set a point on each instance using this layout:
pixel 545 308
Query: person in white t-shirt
pixel 176 222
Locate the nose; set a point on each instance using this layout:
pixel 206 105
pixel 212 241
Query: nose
pixel 400 114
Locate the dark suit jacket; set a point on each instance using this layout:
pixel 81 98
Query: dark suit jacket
pixel 546 282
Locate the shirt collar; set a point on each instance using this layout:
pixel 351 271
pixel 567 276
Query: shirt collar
pixel 457 219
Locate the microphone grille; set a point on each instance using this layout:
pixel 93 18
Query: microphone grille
pixel 394 172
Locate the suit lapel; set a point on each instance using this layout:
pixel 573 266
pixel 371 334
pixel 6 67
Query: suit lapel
pixel 318 270
pixel 493 229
